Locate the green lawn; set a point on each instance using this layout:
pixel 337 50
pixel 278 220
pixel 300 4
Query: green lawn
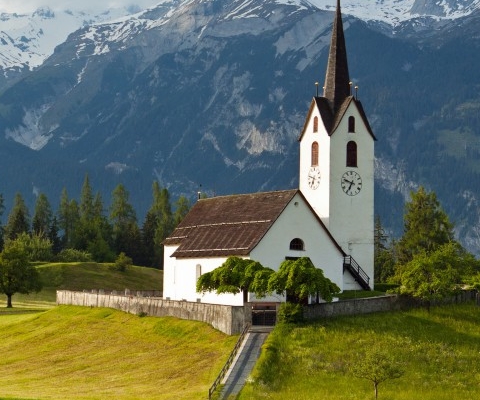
pixel 440 353
pixel 72 352
pixel 80 276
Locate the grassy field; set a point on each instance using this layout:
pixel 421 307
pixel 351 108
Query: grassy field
pixel 439 352
pixel 81 353
pixel 80 276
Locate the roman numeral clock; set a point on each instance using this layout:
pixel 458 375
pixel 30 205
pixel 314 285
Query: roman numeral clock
pixel 351 183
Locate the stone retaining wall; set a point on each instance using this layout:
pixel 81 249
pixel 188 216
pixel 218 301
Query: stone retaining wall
pixel 377 304
pixel 228 319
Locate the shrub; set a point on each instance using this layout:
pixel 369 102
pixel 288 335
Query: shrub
pixel 73 255
pixel 290 313
pixel 123 262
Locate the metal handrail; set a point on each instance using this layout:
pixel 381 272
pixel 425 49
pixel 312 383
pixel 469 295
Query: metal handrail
pixel 350 261
pixel 229 361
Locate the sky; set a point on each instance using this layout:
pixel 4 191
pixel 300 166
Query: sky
pixel 28 6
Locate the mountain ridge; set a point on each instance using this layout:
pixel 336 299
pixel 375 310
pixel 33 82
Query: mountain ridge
pixel 211 96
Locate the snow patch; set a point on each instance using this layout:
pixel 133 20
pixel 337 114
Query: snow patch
pixel 29 134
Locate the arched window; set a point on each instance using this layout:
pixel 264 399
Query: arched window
pixel 297 244
pixel 351 124
pixel 351 154
pixel 314 154
pixel 315 124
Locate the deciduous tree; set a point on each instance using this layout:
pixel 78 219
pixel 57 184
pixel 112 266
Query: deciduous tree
pixel 300 279
pixel 235 275
pixel 377 367
pixel 17 275
pixel 434 275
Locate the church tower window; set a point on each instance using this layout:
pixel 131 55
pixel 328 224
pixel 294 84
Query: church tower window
pixel 351 124
pixel 297 244
pixel 314 154
pixel 351 154
pixel 315 124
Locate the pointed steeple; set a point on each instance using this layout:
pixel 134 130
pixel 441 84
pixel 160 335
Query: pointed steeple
pixel 337 80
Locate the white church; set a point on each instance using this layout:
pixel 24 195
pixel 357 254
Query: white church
pixel 329 218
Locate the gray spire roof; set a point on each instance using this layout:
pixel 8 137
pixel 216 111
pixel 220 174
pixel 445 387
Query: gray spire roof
pixel 337 80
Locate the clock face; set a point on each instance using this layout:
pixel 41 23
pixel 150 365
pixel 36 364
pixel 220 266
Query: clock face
pixel 314 177
pixel 351 183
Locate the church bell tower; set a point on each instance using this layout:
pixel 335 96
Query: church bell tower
pixel 337 164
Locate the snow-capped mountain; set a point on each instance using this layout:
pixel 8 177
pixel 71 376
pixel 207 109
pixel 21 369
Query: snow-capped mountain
pixel 26 40
pixel 214 93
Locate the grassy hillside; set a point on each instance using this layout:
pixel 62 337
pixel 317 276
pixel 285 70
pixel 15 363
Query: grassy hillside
pixel 80 276
pixel 81 353
pixel 440 353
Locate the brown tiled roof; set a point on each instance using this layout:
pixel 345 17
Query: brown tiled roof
pixel 228 225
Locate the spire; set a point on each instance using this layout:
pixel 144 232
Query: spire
pixel 337 81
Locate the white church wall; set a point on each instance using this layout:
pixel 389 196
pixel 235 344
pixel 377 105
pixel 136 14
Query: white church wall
pixel 297 221
pixel 321 193
pixel 352 217
pixel 180 279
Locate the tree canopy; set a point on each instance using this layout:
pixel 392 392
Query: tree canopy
pixel 298 279
pixel 426 226
pixel 17 275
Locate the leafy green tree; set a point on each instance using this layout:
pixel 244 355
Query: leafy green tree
pixel 426 226
pixel 43 215
pixel 235 275
pixel 376 366
pixel 37 246
pixel 123 262
pixel 18 219
pixel 299 279
pixel 434 275
pixel 17 275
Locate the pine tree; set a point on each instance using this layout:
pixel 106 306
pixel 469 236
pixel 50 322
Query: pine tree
pixel 18 219
pixel 68 219
pixel 42 217
pixel 426 226
pixel 124 221
pixel 182 207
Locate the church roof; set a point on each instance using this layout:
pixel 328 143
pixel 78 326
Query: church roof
pixel 228 225
pixel 331 121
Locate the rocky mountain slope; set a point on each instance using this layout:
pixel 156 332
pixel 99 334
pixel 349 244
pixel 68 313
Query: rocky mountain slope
pixel 211 96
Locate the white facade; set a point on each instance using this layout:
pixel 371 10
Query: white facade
pixel 348 216
pixel 296 221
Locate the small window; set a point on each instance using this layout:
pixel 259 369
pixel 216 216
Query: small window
pixel 315 124
pixel 351 124
pixel 314 154
pixel 351 154
pixel 199 271
pixel 296 244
